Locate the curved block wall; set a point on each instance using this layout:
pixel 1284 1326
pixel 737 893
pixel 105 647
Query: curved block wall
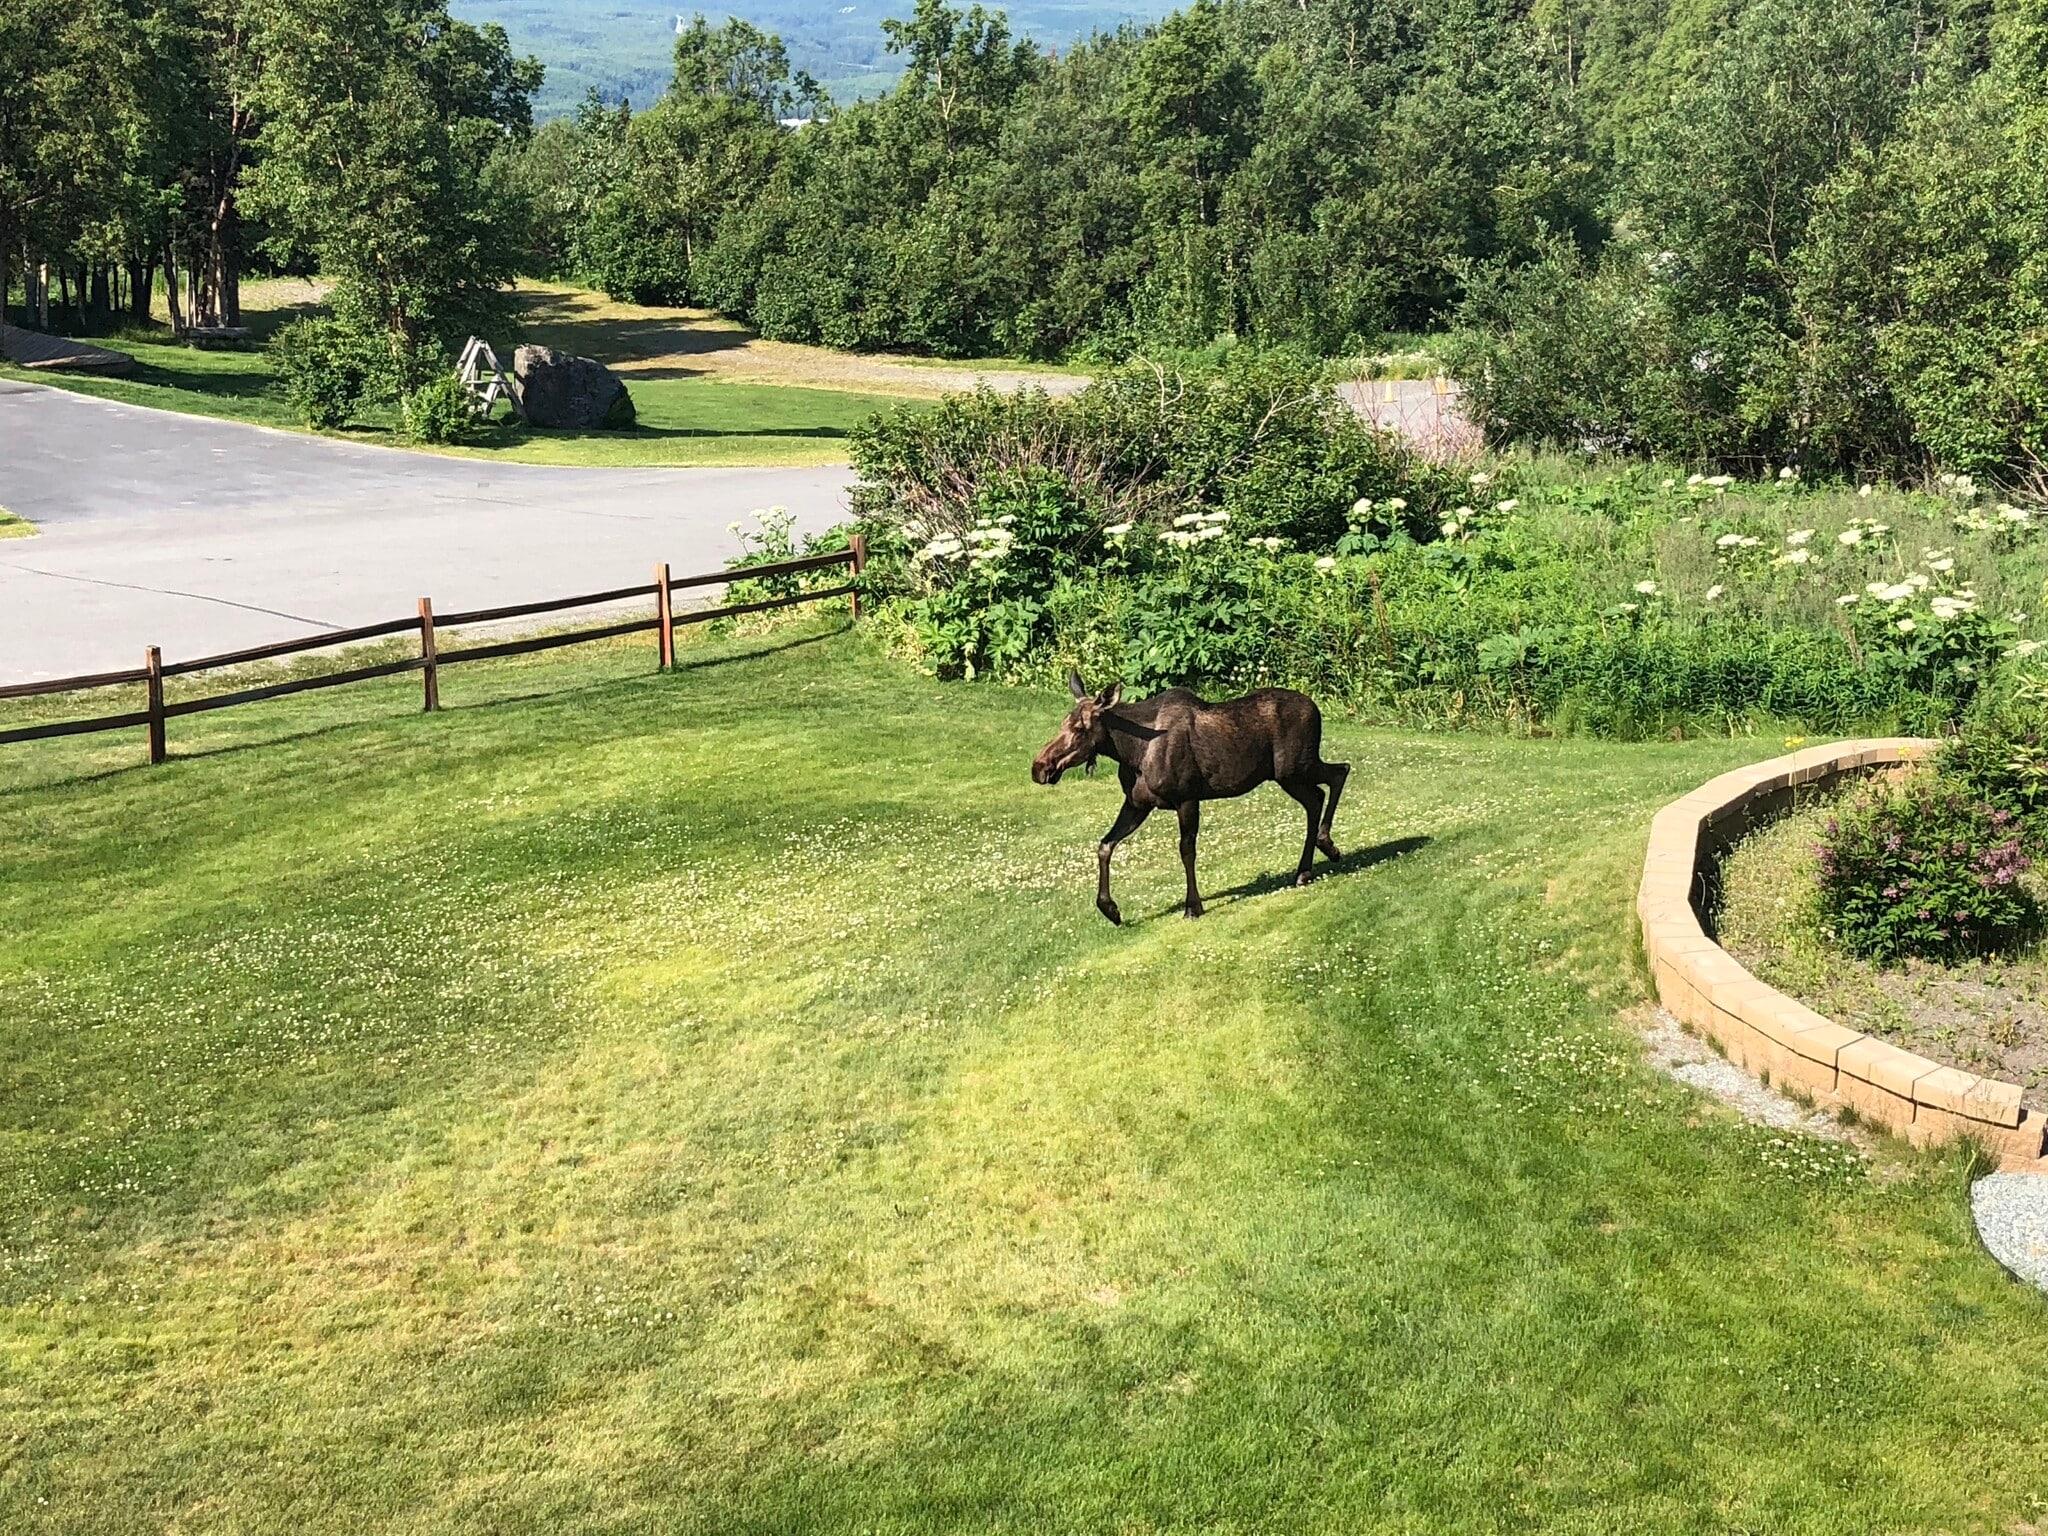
pixel 1771 1035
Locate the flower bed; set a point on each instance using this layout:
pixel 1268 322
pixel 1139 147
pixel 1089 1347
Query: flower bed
pixel 1772 1035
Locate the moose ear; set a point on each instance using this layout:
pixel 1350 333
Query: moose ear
pixel 1075 686
pixel 1111 696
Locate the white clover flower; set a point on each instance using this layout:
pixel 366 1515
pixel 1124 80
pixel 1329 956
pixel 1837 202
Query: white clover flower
pixel 1647 588
pixel 1798 536
pixel 1788 473
pixel 1905 626
pixel 1326 563
pixel 1714 592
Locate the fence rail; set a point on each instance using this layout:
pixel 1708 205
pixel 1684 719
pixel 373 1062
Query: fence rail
pixel 431 658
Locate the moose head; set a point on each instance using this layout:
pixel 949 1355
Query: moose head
pixel 1082 736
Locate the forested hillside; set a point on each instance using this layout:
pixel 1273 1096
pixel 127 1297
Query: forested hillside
pixel 1787 228
pixel 1747 231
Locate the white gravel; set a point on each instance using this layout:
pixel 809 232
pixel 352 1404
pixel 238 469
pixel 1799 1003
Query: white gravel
pixel 2012 1218
pixel 1696 1064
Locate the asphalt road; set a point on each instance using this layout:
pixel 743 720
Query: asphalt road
pixel 201 536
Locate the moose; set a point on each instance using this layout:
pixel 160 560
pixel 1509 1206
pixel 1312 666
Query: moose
pixel 1175 750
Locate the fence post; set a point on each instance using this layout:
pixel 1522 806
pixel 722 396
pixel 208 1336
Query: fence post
pixel 430 669
pixel 859 545
pixel 664 619
pixel 153 665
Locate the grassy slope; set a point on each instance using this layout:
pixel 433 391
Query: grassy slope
pixel 711 1103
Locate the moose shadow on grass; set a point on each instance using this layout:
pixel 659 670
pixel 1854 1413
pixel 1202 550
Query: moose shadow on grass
pixel 1355 862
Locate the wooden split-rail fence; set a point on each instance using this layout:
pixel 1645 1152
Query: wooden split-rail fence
pixel 156 713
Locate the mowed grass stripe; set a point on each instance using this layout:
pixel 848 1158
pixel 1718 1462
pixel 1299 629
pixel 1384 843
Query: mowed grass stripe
pixel 712 1103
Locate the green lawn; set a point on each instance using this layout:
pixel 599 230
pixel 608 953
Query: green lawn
pixel 711 1103
pixel 12 527
pixel 682 421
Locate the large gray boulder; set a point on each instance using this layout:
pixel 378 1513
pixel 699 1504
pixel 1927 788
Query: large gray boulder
pixel 559 390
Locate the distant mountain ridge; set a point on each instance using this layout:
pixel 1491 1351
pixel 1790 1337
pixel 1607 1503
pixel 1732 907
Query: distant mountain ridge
pixel 622 47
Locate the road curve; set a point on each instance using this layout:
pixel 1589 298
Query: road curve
pixel 201 536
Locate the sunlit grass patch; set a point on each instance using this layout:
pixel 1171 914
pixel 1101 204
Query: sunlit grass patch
pixel 711 1102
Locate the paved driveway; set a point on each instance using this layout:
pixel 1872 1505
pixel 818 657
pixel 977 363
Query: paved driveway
pixel 202 536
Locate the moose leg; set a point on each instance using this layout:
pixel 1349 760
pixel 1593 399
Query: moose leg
pixel 1333 775
pixel 1128 820
pixel 1190 825
pixel 1310 794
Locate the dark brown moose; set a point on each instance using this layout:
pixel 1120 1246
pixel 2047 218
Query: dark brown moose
pixel 1174 750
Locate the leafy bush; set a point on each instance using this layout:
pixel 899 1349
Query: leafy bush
pixel 327 367
pixel 1926 870
pixel 442 410
pixel 1263 438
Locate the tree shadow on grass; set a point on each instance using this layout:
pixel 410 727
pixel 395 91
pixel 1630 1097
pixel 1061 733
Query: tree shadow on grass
pixel 1355 862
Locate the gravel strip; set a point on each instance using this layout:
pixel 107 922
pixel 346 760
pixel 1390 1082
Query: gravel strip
pixel 2012 1218
pixel 1693 1062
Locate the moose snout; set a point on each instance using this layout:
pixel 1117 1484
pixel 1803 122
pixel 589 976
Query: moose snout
pixel 1043 772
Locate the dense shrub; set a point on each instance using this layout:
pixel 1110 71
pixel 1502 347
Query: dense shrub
pixel 1262 437
pixel 442 410
pixel 1926 870
pixel 327 367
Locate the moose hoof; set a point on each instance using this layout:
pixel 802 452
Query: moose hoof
pixel 1192 909
pixel 1303 878
pixel 1329 850
pixel 1108 909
